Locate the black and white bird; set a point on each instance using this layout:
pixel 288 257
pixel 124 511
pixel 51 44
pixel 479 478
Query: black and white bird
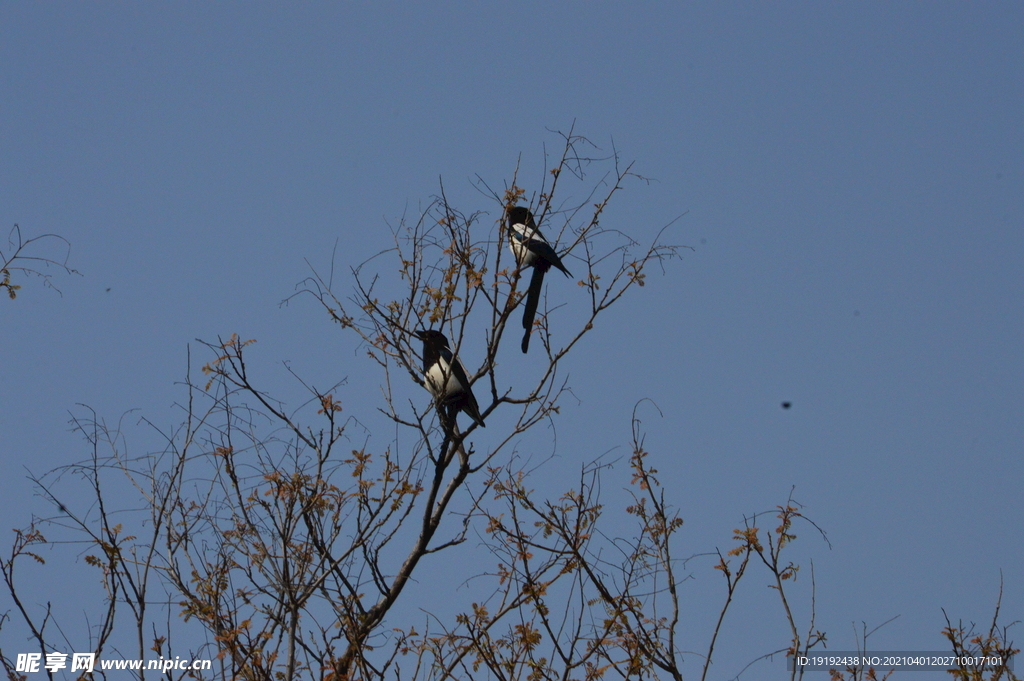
pixel 531 250
pixel 446 378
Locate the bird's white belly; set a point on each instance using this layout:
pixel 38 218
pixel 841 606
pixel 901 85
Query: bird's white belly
pixel 518 243
pixel 435 379
pixel 524 256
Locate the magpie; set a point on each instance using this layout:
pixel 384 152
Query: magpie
pixel 442 368
pixel 531 249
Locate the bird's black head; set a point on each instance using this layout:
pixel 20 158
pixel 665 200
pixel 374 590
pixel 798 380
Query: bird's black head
pixel 435 344
pixel 517 215
pixel 432 337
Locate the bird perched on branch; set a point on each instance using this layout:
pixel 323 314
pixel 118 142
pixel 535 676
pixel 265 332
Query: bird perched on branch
pixel 531 250
pixel 446 378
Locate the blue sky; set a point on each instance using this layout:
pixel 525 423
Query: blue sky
pixel 852 178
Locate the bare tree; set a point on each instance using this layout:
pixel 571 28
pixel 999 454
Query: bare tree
pixel 276 540
pixel 27 257
pixel 985 655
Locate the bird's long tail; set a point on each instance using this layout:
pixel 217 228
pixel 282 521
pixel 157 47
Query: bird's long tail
pixel 532 300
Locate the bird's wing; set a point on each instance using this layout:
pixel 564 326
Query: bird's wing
pixel 461 377
pixel 531 248
pixel 544 253
pixel 465 397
